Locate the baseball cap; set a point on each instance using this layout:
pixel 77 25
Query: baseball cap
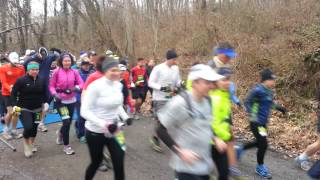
pixel 122 67
pixel 201 71
pixel 14 57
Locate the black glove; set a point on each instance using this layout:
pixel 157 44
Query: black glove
pixel 129 121
pixel 112 128
pixel 165 89
pixel 283 110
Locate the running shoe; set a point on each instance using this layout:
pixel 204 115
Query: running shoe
pixel 7 135
pixel 83 140
pixel 263 171
pixel 68 150
pixel 304 164
pixel 27 150
pixel 59 140
pixel 42 128
pixel 236 174
pixel 103 167
pixel 34 148
pixel 16 135
pixel 155 144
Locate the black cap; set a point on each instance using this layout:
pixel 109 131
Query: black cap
pixel 225 71
pixel 171 54
pixel 267 74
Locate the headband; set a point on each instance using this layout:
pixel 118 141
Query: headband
pixel 32 66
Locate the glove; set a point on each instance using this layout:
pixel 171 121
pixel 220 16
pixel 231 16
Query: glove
pixel 166 89
pixel 129 121
pixel 283 110
pixel 16 109
pixel 45 107
pixel 77 88
pixel 112 128
pixel 239 105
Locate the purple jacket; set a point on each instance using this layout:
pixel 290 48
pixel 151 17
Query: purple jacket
pixel 63 79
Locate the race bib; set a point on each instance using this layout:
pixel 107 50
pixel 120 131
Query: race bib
pixel 37 118
pixel 121 140
pixel 64 112
pixel 262 131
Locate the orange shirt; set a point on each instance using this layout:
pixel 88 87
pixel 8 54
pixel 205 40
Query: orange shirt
pixel 8 76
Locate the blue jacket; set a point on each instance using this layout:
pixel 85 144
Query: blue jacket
pixel 259 104
pixel 84 75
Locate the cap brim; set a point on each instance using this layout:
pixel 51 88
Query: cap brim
pixel 231 55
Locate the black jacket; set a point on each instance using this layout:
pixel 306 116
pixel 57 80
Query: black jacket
pixel 29 93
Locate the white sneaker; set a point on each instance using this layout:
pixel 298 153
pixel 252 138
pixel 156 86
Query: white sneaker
pixel 68 150
pixel 16 135
pixel 42 128
pixel 6 135
pixel 59 140
pixel 27 150
pixel 34 148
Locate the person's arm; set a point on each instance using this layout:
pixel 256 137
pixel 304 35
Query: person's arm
pixel 234 98
pixel 125 92
pixel 53 82
pixel 163 134
pixel 250 99
pixel 15 90
pixel 88 103
pixel 3 78
pixel 153 79
pixel 279 108
pixel 79 80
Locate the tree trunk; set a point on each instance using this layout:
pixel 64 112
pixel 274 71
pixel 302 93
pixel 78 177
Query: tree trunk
pixel 3 24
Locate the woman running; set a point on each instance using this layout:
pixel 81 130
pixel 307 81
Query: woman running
pixel 31 93
pixel 63 85
pixel 102 108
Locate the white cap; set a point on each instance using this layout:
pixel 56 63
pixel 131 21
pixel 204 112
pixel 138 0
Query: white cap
pixel 108 52
pixel 122 67
pixel 201 71
pixel 14 57
pixel 28 51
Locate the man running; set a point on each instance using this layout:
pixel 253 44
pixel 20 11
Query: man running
pixel 139 78
pixel 164 80
pixel 9 74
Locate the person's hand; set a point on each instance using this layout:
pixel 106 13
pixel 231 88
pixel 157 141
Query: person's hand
pixel 45 107
pixel 220 144
pixel 112 128
pixel 16 109
pixel 187 155
pixel 165 89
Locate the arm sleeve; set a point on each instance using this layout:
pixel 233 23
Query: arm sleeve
pixel 250 100
pixel 232 90
pixel 15 90
pixel 122 113
pixel 165 137
pixel 52 83
pixel 153 79
pixel 88 103
pixel 3 79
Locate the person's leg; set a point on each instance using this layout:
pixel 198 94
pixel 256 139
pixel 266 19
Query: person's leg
pixel 65 130
pixel 262 144
pixel 117 157
pixel 253 143
pixel 26 120
pixel 221 161
pixel 95 144
pixel 77 123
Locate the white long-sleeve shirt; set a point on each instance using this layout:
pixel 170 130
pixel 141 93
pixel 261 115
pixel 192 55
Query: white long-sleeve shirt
pixel 102 104
pixel 163 75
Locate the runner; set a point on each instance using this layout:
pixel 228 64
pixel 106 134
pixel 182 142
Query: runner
pixel 139 91
pixel 45 60
pixel 30 93
pixel 149 69
pixel 164 80
pixel 9 74
pixel 102 107
pixel 84 72
pixel 189 115
pixel 258 105
pixel 63 86
pixel 303 160
pixel 223 128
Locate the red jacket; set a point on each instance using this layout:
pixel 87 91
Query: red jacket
pixel 8 76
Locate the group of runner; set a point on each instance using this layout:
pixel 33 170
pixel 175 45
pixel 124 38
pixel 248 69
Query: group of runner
pixel 193 118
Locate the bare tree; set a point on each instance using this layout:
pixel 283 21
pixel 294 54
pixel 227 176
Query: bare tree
pixel 4 23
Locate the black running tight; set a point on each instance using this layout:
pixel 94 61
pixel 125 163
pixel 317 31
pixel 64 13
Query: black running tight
pixel 96 143
pixel 260 142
